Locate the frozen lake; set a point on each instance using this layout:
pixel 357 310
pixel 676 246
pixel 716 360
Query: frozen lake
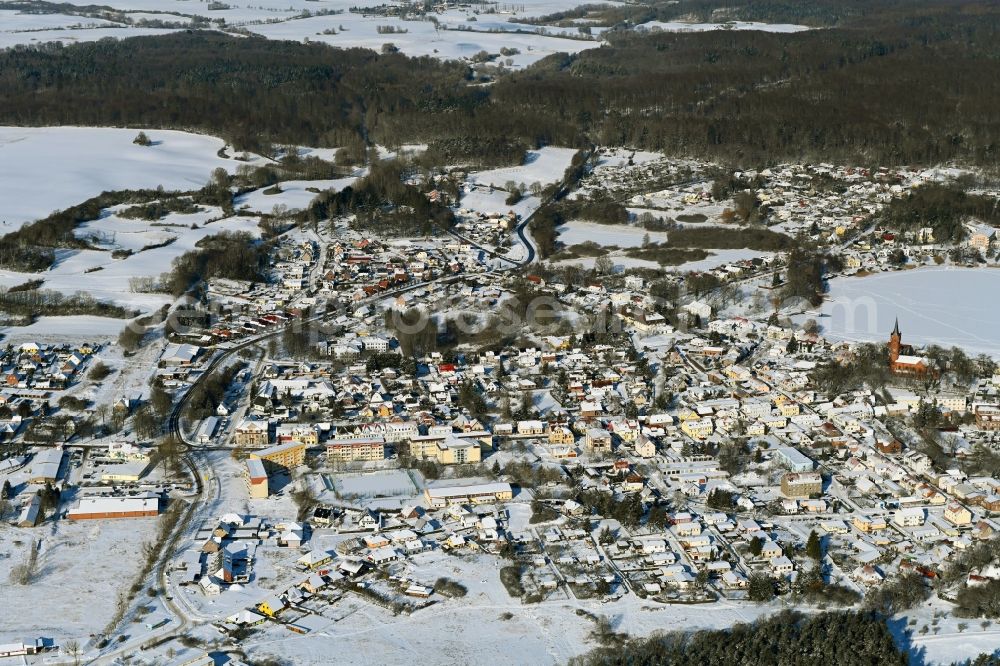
pixel 943 306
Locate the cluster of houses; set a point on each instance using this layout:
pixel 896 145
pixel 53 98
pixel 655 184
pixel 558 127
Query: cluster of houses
pixel 32 368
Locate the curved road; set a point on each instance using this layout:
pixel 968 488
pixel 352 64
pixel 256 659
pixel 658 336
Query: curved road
pixel 222 356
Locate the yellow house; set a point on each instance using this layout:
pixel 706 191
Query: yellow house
pixel 698 429
pixel 869 524
pixel 252 434
pixel 789 409
pixel 459 452
pixel 561 435
pixel 687 415
pixel 644 447
pixel 271 606
pixel 315 559
pixel 626 431
pixel 956 514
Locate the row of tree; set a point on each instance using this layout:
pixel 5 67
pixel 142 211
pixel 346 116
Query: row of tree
pixel 787 637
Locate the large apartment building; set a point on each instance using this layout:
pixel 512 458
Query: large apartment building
pixel 801 484
pixel 355 450
pixel 282 457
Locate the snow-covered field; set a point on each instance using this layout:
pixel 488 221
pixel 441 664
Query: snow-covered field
pixel 678 26
pixel 389 483
pixel 74 270
pixel 294 195
pixel 27 29
pixel 47 169
pixel 626 236
pixel 944 306
pixel 423 38
pixel 486 202
pixel 460 32
pixel 546 633
pixel 71 596
pixel 544 166
pixel 77 327
pixel 620 235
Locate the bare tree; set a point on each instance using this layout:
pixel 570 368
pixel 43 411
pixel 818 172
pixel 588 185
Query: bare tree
pixel 73 649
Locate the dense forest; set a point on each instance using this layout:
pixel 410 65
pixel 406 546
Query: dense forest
pixel 828 639
pixel 383 198
pixel 943 208
pixel 230 255
pixel 886 86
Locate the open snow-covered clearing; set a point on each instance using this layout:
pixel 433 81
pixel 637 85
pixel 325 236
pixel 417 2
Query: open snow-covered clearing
pixel 722 257
pixel 546 633
pixel 107 279
pixel 460 32
pixel 12 21
pixel 943 306
pixel 543 166
pixel 464 31
pixel 81 568
pixel 34 30
pixel 679 26
pixel 47 169
pixel 484 201
pixel 715 259
pixel 422 38
pixel 113 232
pixel 294 195
pixel 620 235
pixel 76 327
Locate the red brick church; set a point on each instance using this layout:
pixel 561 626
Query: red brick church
pixel 902 359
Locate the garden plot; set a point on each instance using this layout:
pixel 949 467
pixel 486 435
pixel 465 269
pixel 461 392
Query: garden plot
pixel 46 169
pixel 550 632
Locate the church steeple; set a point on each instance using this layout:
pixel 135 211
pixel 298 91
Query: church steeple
pixel 895 342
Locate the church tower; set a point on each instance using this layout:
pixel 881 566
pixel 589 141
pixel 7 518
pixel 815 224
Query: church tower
pixel 895 342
